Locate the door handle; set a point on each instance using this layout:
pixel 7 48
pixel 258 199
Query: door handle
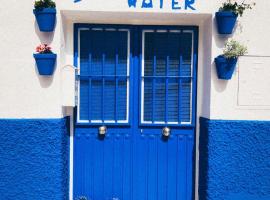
pixel 166 131
pixel 102 130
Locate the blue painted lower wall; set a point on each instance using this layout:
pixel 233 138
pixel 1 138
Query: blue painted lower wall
pixel 234 160
pixel 34 159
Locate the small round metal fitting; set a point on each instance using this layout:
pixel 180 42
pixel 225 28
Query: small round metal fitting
pixel 102 130
pixel 166 131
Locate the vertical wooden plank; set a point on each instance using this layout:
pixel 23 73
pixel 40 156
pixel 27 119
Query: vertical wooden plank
pixel 77 165
pixel 82 152
pixel 86 165
pixel 152 170
pixel 189 160
pixel 127 166
pixel 98 169
pixel 117 171
pixel 108 166
pixel 181 168
pixel 140 168
pixel 91 158
pixel 162 169
pixel 172 170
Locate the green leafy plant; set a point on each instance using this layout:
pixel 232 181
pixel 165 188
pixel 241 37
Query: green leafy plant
pixel 237 8
pixel 234 49
pixel 41 4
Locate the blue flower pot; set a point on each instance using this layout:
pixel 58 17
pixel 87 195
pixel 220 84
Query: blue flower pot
pixel 45 63
pixel 46 19
pixel 226 21
pixel 225 67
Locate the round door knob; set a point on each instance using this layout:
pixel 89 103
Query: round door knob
pixel 166 131
pixel 102 130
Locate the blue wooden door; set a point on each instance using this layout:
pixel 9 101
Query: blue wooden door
pixel 139 85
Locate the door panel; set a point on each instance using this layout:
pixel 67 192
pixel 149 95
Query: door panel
pixel 167 76
pixel 102 167
pixel 104 76
pixel 135 81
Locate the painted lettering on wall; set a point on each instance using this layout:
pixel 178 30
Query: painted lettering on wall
pixel 175 4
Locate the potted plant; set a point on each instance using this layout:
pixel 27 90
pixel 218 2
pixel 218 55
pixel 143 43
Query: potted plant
pixel 227 15
pixel 226 63
pixel 45 60
pixel 45 13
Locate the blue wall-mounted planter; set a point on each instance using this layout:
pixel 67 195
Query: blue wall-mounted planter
pixel 226 21
pixel 225 67
pixel 45 63
pixel 46 19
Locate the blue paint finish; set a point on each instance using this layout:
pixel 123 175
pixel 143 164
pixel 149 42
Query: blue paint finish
pixel 166 44
pixel 226 21
pixel 225 67
pixel 189 4
pixel 34 159
pixel 46 19
pixel 175 5
pixel 103 75
pixel 147 4
pixel 132 3
pixel 234 160
pixel 161 4
pixel 45 63
pixel 134 161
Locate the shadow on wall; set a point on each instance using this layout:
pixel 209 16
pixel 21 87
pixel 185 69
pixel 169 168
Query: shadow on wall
pixel 204 70
pixel 44 37
pixel 220 85
pixel 45 81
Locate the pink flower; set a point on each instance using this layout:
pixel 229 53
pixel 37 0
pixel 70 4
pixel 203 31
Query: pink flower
pixel 43 48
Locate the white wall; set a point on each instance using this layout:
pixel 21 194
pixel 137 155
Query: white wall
pixel 25 94
pixel 246 96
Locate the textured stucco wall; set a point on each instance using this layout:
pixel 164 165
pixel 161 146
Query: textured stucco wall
pixel 234 160
pixel 34 159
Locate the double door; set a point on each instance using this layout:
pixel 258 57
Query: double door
pixel 136 112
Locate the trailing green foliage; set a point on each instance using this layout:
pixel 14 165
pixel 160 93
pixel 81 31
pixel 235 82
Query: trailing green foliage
pixel 237 8
pixel 234 49
pixel 41 4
